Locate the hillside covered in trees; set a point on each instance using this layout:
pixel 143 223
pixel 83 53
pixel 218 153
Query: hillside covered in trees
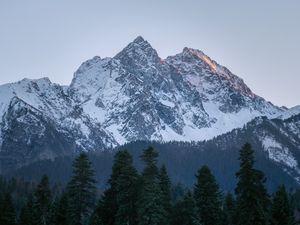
pixel 147 197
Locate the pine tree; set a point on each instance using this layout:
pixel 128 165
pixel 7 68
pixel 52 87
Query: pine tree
pixel 7 211
pixel 118 205
pixel 252 197
pixel 125 179
pixel 281 210
pixel 98 214
pixel 185 212
pixel 59 212
pixel 229 209
pixel 165 185
pixel 208 197
pixel 26 215
pixel 42 202
pixel 81 191
pixel 150 206
pixel 106 209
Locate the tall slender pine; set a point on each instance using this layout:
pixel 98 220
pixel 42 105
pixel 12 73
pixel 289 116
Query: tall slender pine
pixel 60 210
pixel 42 202
pixel 229 209
pixel 81 191
pixel 150 206
pixel 185 212
pixel 251 194
pixel 165 186
pixel 281 210
pixel 208 197
pixel 118 204
pixel 26 215
pixel 124 180
pixel 7 211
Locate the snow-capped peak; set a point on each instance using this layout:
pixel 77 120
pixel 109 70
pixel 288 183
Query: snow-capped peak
pixel 138 51
pixel 139 40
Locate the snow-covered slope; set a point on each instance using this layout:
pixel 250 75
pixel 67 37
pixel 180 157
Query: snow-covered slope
pixel 41 94
pixel 290 112
pixel 136 95
pixel 54 107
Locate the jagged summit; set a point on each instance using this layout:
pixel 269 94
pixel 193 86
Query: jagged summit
pixel 139 50
pixel 139 39
pixel 42 79
pixel 199 55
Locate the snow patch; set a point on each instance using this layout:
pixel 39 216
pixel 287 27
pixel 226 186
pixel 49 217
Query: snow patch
pixel 279 153
pixel 167 103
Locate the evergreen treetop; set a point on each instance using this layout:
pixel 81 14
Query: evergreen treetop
pixel 185 211
pixel 208 197
pixel 251 194
pixel 81 191
pixel 281 210
pixel 150 204
pixel 7 211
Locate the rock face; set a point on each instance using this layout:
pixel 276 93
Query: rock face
pixel 135 95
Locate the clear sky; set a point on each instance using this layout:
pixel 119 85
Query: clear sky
pixel 258 40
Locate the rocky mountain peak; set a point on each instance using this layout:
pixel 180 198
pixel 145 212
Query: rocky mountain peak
pixel 139 51
pixel 139 39
pixel 199 55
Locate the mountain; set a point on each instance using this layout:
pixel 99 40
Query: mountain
pixel 132 96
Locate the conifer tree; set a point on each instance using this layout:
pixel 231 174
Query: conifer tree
pixel 281 210
pixel 42 202
pixel 165 185
pixel 252 197
pixel 125 179
pixel 81 191
pixel 150 206
pixel 229 209
pixel 208 197
pixel 118 205
pixel 26 215
pixel 106 209
pixel 185 212
pixel 7 211
pixel 99 214
pixel 59 215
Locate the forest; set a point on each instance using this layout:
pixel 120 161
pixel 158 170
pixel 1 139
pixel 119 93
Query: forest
pixel 147 197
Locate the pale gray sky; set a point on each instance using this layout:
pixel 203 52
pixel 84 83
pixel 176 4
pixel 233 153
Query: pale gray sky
pixel 257 40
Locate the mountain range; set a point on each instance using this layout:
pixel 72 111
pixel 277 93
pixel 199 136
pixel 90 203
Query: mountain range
pixel 138 96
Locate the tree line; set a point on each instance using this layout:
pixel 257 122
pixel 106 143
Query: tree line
pixel 148 198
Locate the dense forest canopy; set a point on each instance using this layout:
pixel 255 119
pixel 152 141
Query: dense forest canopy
pixel 147 197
